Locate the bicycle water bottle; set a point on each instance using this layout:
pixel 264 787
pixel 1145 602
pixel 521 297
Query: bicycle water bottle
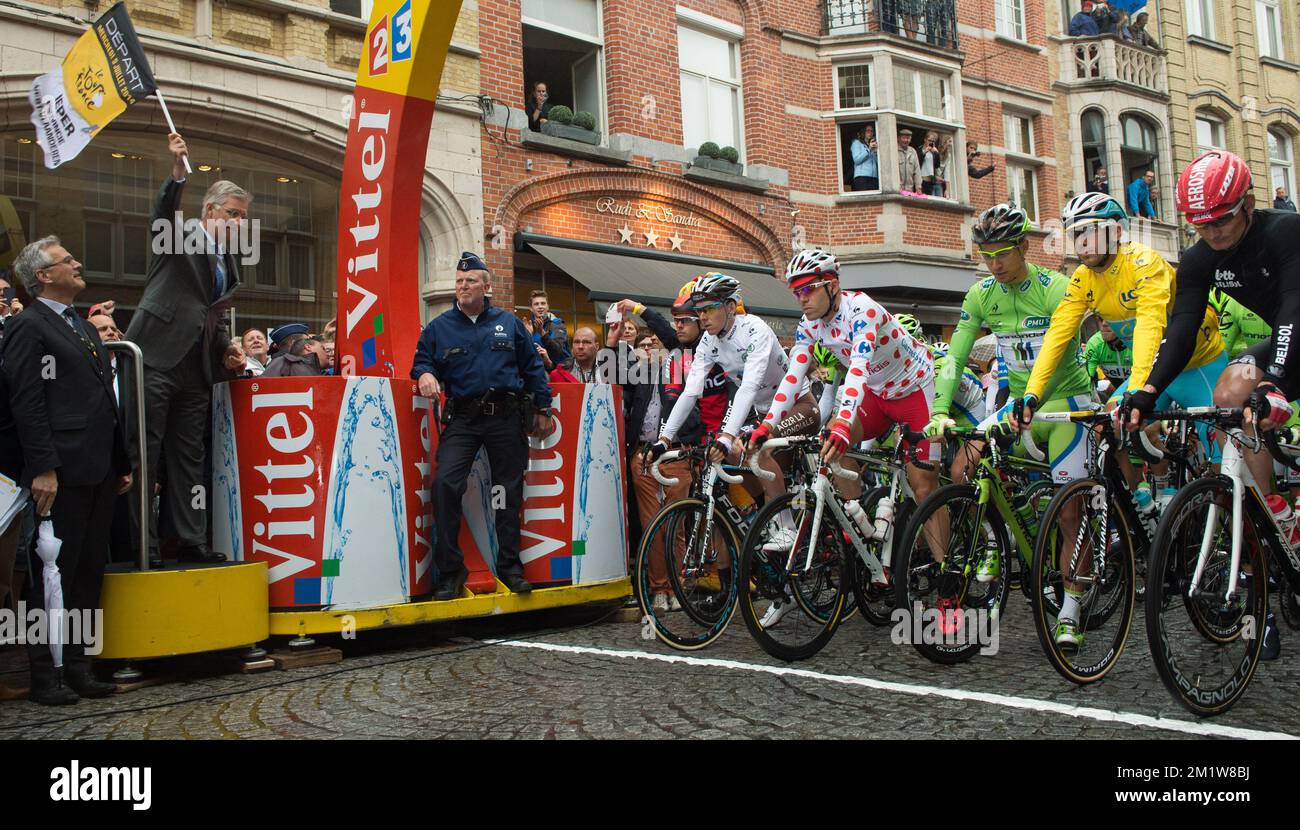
pixel 860 518
pixel 1285 518
pixel 884 517
pixel 1020 503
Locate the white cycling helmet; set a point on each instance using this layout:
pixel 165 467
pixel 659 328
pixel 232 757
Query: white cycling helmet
pixel 812 262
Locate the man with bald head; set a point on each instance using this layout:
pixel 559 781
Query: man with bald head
pixel 583 364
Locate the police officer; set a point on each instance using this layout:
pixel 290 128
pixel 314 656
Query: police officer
pixel 496 391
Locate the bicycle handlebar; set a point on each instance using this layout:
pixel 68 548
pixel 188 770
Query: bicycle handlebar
pixel 671 455
pixel 773 444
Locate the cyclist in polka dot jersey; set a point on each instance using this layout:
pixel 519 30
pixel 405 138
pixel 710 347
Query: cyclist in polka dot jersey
pixel 890 373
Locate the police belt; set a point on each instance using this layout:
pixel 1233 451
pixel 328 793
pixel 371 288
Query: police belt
pixel 493 403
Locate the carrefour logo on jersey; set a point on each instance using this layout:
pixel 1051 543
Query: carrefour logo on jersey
pixel 391 43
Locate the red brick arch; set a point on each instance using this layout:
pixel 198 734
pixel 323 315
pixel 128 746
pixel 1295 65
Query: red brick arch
pixel 568 185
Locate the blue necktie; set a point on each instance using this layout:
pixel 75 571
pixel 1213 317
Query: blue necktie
pixel 221 276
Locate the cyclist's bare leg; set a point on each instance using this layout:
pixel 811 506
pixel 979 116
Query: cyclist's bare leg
pixel 1235 385
pixel 963 466
pixel 937 529
pixel 1126 466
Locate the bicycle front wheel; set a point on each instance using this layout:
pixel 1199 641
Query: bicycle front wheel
pixel 1206 645
pixel 686 583
pixel 793 606
pixel 1083 536
pixel 948 612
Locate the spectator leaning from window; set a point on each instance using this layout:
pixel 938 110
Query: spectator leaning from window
pixel 1100 182
pixel 496 395
pixel 538 106
pixel 1122 28
pixel 909 166
pixel 296 354
pixel 973 156
pixel 1140 34
pixel 866 163
pixel 256 352
pixel 1139 196
pixel 60 437
pixel 1281 202
pixel 1106 17
pixel 934 164
pixel 180 327
pixel 1083 24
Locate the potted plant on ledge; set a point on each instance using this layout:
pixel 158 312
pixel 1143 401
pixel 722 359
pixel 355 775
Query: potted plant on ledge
pixel 723 160
pixel 563 122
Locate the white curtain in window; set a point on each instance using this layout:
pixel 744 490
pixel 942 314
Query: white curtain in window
pixel 1268 23
pixel 1281 161
pixel 580 16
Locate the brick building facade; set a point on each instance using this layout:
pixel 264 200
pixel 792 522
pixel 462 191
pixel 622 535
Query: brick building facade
pixel 788 83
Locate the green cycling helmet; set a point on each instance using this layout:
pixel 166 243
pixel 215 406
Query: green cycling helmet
pixel 910 324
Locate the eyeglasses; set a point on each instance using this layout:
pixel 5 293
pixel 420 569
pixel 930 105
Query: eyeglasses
pixel 999 253
pixel 805 290
pixel 681 321
pixel 1225 218
pixel 234 213
pixel 708 307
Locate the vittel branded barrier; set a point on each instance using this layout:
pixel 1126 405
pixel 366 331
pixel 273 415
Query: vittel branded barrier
pixel 329 481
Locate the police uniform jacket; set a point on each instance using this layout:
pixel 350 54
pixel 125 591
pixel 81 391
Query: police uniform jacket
pixel 471 358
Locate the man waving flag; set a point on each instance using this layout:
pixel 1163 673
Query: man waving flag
pixel 104 73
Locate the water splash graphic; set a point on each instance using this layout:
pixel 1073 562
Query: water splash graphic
pixel 602 461
pixel 367 409
pixel 225 468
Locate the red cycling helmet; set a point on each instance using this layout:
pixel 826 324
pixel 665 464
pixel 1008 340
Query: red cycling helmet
pixel 1213 185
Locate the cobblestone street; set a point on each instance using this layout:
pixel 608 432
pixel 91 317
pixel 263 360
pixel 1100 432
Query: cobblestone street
pixel 574 674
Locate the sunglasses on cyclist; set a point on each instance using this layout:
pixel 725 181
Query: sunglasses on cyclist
pixel 999 253
pixel 805 290
pixel 683 320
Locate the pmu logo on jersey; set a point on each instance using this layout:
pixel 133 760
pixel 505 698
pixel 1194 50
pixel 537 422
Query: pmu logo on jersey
pixel 1037 322
pixel 379 39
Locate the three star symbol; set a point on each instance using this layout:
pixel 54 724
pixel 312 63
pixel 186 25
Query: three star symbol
pixel 625 234
pixel 651 238
pixel 677 242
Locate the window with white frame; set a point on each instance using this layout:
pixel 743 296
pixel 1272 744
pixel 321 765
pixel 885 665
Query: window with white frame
pixel 921 92
pixel 1281 162
pixel 1210 134
pixel 1022 189
pixel 1200 18
pixel 853 86
pixel 1268 23
pixel 710 78
pixel 1010 16
pixel 1019 131
pixel 562 48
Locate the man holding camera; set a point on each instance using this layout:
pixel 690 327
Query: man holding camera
pixel 496 394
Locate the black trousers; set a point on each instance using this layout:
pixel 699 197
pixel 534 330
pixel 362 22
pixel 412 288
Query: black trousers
pixel 866 183
pixel 507 451
pixel 178 404
pixel 81 518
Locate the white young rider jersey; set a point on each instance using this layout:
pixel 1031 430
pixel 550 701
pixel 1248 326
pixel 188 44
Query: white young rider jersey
pixel 879 353
pixel 751 356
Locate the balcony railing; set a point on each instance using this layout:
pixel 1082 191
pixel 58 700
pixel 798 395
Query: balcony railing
pixel 928 21
pixel 1107 58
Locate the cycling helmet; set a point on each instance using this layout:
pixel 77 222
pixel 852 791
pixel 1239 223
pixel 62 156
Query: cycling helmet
pixel 1090 208
pixel 811 263
pixel 1213 185
pixel 910 324
pixel 825 357
pixel 1001 223
pixel 1218 300
pixel 682 305
pixel 713 287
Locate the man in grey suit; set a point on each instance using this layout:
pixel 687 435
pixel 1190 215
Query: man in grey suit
pixel 181 329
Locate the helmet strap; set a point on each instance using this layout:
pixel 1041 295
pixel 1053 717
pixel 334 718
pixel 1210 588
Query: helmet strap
pixel 831 305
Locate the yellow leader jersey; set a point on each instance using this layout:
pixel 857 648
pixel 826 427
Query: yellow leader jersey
pixel 1134 295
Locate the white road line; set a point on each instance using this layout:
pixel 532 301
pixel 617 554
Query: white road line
pixel 1204 728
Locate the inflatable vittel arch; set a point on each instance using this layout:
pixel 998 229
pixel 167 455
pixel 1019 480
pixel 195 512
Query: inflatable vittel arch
pixel 330 480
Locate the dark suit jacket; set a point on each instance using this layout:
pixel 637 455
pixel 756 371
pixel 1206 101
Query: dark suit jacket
pixel 637 396
pixel 177 308
pixel 56 414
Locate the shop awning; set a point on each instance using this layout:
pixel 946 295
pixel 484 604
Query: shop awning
pixel 611 277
